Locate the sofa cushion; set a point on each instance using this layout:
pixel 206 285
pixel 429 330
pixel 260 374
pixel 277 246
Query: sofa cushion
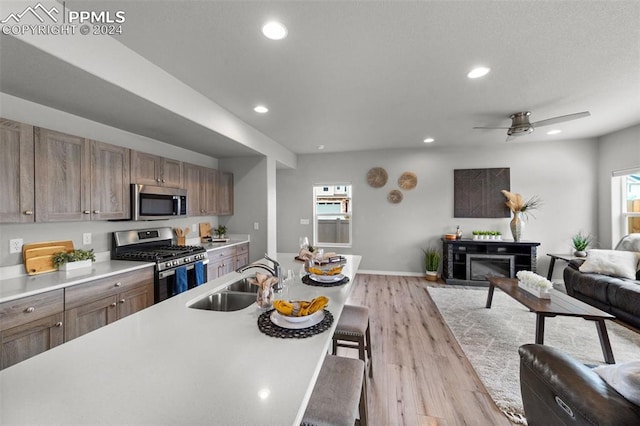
pixel 624 378
pixel 625 295
pixel 629 242
pixel 614 263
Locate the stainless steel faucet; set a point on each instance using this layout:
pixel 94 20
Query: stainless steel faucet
pixel 275 271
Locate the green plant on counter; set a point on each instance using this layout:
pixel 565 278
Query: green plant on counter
pixel 63 257
pixel 220 230
pixel 581 241
pixel 432 259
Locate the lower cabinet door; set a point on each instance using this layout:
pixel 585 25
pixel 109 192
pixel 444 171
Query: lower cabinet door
pixel 24 341
pixel 135 300
pixel 89 317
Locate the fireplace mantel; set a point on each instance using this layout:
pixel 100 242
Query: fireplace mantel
pixel 509 257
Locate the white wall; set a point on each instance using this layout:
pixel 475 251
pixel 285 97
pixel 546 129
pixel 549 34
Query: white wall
pixel 390 236
pixel 250 201
pixel 616 151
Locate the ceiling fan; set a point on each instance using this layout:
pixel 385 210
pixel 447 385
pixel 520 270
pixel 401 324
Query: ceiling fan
pixel 520 124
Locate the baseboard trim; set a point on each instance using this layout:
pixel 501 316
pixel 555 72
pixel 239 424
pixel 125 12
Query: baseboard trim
pixel 397 273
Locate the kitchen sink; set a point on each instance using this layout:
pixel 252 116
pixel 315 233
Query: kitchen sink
pixel 224 301
pixel 243 286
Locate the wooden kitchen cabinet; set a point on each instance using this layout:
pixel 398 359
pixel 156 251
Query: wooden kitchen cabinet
pixel 149 169
pixel 224 194
pixel 16 172
pixel 97 303
pixel 78 180
pixel 30 325
pixel 222 261
pixel 110 182
pixel 200 183
pixel 62 165
pixel 242 255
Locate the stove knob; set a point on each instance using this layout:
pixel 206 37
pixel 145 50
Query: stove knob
pixel 187 260
pixel 175 263
pixel 168 264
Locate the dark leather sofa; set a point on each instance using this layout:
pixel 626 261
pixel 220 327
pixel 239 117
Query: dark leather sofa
pixel 618 296
pixel 558 390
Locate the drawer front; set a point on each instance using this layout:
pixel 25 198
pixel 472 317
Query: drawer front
pixel 222 253
pixel 242 249
pixel 31 308
pixel 83 293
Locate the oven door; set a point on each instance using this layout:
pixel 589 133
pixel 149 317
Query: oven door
pixel 165 286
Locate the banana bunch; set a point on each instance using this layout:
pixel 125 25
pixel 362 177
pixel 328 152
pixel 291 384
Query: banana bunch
pixel 300 308
pixel 333 271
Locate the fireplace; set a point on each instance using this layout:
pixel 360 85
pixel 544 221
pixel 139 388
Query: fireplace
pixel 496 265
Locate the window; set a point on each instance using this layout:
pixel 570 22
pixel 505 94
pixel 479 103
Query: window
pixel 631 203
pixel 332 215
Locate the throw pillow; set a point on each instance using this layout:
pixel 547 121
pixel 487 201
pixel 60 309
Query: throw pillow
pixel 611 262
pixel 624 378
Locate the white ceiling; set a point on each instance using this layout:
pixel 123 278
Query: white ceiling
pixel 359 75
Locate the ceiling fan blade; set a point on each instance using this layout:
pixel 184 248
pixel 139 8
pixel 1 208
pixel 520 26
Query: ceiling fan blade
pixel 492 128
pixel 561 119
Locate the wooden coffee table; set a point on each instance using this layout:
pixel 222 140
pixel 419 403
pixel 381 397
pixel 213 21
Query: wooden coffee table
pixel 560 304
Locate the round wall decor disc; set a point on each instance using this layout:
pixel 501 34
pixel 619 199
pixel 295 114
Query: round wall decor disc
pixel 408 180
pixel 395 196
pixel 377 177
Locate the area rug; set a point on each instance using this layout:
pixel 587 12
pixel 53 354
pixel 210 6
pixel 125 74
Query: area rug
pixel 490 339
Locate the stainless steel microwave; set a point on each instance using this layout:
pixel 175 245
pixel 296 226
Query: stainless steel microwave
pixel 157 202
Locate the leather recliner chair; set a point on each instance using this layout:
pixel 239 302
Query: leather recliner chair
pixel 559 390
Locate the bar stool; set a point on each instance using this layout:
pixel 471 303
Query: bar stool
pixel 339 393
pixel 353 332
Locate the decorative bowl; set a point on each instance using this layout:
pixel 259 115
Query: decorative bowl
pixel 324 269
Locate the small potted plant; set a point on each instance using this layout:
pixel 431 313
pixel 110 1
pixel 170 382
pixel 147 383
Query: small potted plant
pixel 580 243
pixel 220 231
pixel 76 259
pixel 432 261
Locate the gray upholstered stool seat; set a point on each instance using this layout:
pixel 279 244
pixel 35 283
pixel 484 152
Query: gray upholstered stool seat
pixel 353 332
pixel 339 394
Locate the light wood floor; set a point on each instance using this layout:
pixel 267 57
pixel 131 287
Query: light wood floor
pixel 421 376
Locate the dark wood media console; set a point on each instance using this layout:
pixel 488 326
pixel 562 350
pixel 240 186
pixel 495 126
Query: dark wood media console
pixel 469 262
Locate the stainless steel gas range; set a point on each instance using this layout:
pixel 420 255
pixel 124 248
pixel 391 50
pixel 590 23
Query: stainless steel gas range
pixel 178 268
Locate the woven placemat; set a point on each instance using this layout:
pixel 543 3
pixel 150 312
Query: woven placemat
pixel 270 329
pixel 307 280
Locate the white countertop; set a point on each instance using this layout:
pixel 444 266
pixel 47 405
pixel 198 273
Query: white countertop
pixel 170 364
pixel 28 285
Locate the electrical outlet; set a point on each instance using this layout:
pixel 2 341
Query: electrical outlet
pixel 256 226
pixel 304 221
pixel 194 228
pixel 15 245
pixel 86 238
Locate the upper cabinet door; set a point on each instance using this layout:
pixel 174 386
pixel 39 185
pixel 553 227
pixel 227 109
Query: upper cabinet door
pixel 191 176
pixel 62 164
pixel 224 195
pixel 110 179
pixel 16 172
pixel 145 168
pixel 149 169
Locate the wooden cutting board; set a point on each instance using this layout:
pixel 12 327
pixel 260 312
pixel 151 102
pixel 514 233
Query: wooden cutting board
pixel 38 257
pixel 205 230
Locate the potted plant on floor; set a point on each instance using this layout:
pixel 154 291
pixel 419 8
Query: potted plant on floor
pixel 580 243
pixel 76 259
pixel 432 261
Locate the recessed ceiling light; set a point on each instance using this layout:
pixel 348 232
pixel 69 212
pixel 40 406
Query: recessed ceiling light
pixel 320 147
pixel 261 109
pixel 429 140
pixel 274 30
pixel 478 72
pixel 553 132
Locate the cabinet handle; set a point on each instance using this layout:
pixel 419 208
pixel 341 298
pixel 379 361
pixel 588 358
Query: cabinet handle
pixel 158 180
pixel 86 212
pixel 59 324
pixel 121 300
pixel 118 284
pixel 162 180
pixel 96 212
pixel 28 212
pixel 113 305
pixel 30 309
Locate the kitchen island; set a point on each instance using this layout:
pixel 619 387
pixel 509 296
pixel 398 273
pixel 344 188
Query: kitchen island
pixel 171 364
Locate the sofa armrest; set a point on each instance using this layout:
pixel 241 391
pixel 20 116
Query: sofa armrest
pixel 556 389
